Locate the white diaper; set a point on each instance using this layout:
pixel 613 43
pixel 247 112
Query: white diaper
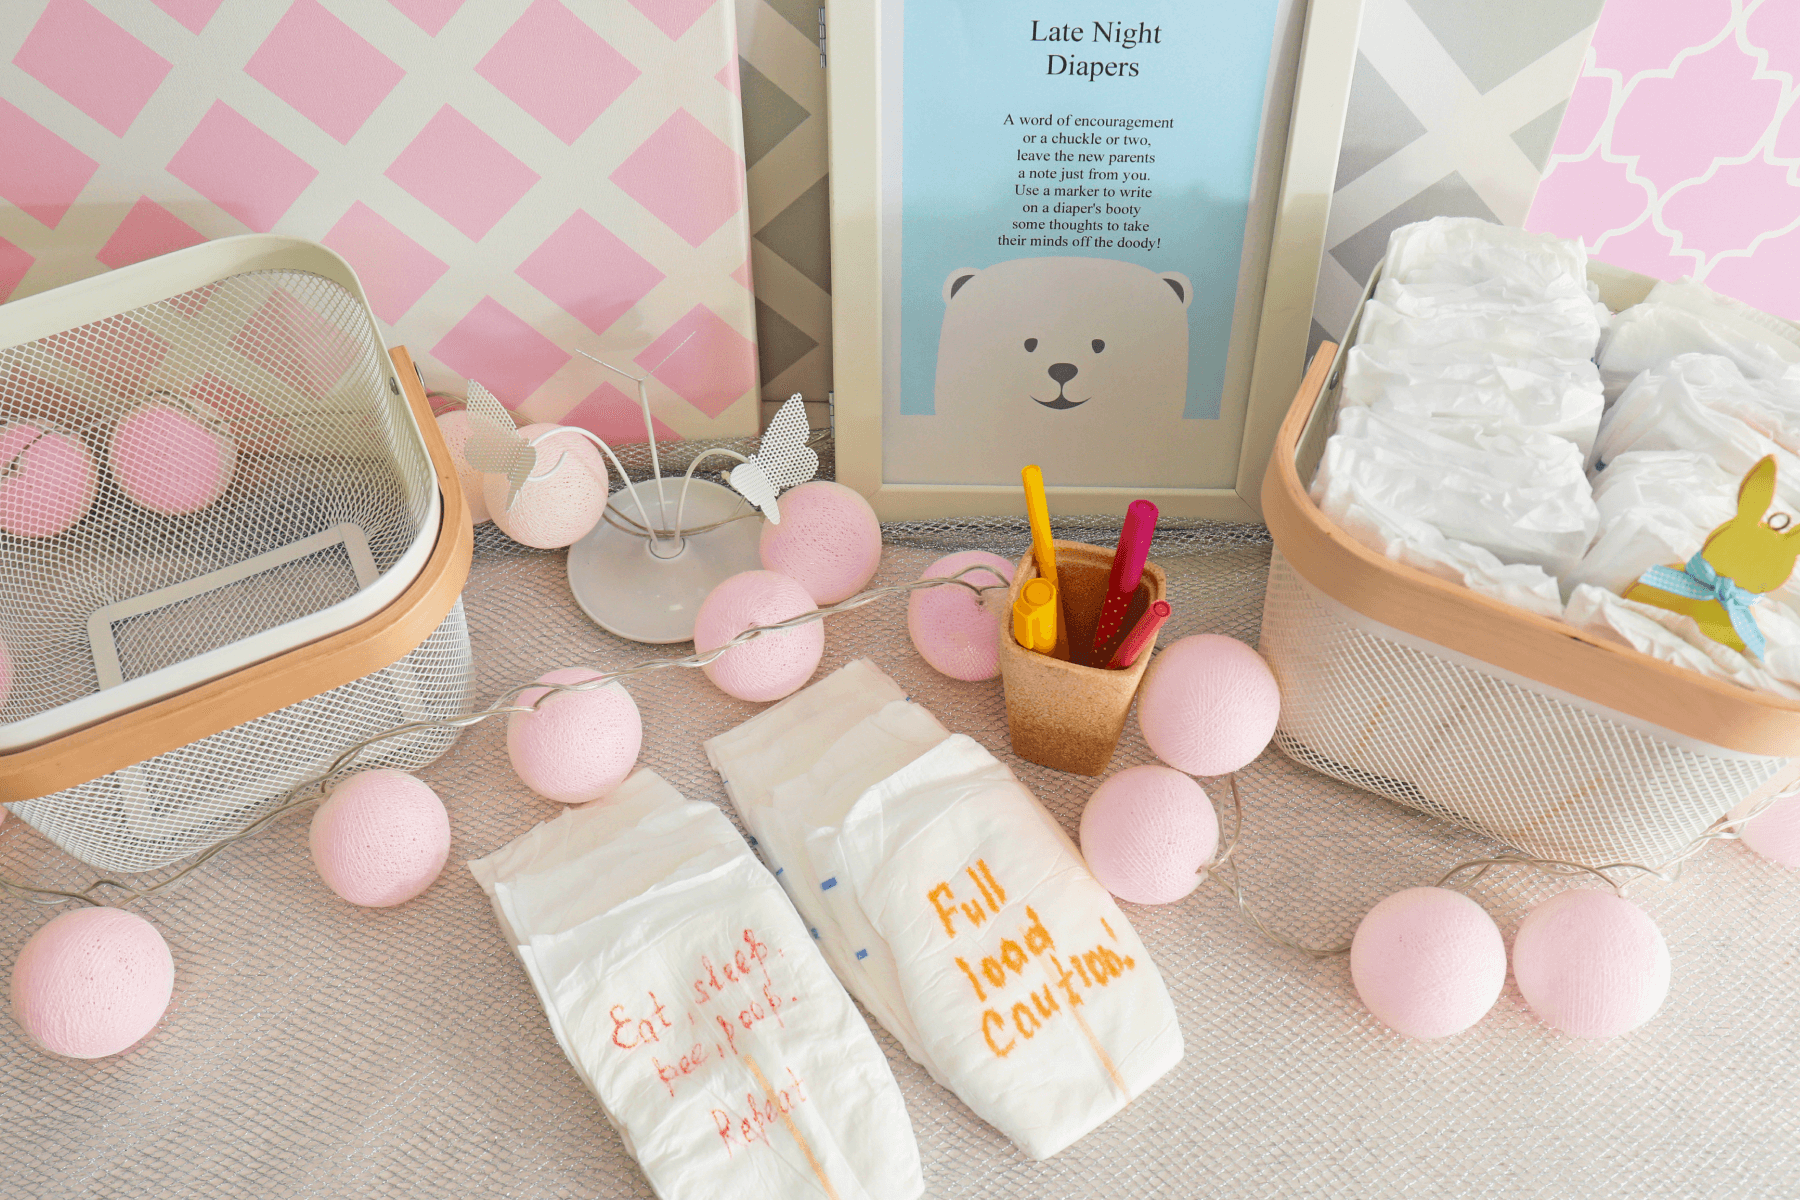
pixel 1656 508
pixel 1534 333
pixel 1686 404
pixel 1464 380
pixel 954 907
pixel 1417 543
pixel 1462 250
pixel 1672 637
pixel 695 1006
pixel 1519 494
pixel 1688 318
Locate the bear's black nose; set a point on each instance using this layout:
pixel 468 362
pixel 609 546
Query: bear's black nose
pixel 1062 372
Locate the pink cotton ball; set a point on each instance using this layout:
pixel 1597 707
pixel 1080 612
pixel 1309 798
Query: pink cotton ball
pixel 1208 705
pixel 1774 833
pixel 949 626
pixel 828 539
pixel 92 982
pixel 380 838
pixel 771 665
pixel 1146 832
pixel 46 481
pixel 577 746
pixel 1591 963
pixel 562 500
pixel 1428 962
pixel 170 461
pixel 454 425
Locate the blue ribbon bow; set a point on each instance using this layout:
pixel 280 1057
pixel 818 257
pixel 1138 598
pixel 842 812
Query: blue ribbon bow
pixel 1700 581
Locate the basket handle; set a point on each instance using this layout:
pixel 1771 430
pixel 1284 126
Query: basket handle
pixel 111 671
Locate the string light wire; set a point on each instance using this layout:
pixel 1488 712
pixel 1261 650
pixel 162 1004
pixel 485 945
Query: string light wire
pixel 315 788
pixel 1223 870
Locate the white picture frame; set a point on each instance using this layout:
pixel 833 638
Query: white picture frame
pixel 885 455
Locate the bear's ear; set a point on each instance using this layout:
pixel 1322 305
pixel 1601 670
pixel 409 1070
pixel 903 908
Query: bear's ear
pixel 1178 283
pixel 957 278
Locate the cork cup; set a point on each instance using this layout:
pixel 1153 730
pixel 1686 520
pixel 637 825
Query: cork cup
pixel 1064 712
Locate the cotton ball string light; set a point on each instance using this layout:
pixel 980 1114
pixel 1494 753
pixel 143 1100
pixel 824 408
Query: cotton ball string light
pixel 561 501
pixel 577 746
pixel 169 460
pixel 771 665
pixel 829 540
pixel 1208 705
pixel 92 982
pixel 1591 963
pixel 454 425
pixel 46 481
pixel 1773 833
pixel 380 838
pixel 1146 832
pixel 950 627
pixel 1428 962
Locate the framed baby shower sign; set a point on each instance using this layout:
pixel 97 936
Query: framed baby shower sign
pixel 1078 233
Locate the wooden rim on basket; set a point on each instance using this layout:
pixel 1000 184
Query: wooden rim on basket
pixel 295 675
pixel 1556 655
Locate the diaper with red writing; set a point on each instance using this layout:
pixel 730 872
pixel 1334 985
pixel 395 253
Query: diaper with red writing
pixel 694 1004
pixel 954 907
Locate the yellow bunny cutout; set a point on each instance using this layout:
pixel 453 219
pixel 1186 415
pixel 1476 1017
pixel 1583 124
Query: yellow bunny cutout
pixel 1741 559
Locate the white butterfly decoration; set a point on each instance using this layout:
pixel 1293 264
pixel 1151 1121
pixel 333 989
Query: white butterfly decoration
pixel 495 445
pixel 782 460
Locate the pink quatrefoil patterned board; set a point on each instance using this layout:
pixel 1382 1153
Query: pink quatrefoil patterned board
pixel 1679 153
pixel 512 180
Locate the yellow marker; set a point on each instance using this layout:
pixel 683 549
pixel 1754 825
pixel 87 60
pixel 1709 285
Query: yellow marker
pixel 1043 548
pixel 1034 616
pixel 1038 510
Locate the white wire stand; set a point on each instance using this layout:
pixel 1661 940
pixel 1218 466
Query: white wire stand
pixel 645 568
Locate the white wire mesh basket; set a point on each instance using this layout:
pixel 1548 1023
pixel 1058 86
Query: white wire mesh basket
pixel 226 550
pixel 1546 738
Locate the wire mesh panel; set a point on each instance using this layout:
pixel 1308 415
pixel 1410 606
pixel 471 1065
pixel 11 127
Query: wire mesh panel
pixel 1521 765
pixel 176 804
pixel 217 430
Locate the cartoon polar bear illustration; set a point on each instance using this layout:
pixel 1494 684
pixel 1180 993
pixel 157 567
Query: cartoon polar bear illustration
pixel 1066 362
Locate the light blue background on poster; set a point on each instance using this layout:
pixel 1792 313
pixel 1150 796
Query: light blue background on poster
pixel 969 63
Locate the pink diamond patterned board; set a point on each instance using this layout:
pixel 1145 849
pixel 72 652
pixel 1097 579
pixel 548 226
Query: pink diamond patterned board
pixel 513 180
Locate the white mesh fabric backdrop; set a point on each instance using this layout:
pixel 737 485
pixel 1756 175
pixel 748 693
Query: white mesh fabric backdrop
pixel 318 1050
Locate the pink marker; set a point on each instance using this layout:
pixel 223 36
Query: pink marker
pixel 1127 569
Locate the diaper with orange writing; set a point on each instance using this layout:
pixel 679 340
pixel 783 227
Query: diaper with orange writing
pixel 954 907
pixel 694 1004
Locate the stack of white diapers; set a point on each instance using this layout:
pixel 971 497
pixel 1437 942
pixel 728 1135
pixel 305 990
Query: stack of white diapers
pixel 953 906
pixel 694 1005
pixel 1471 443
pixel 1468 408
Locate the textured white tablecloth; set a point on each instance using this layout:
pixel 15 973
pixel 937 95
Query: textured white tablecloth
pixel 315 1049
